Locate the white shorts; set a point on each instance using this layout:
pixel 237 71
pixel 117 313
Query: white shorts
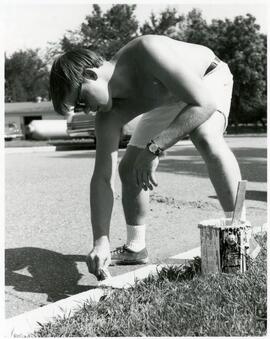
pixel 219 82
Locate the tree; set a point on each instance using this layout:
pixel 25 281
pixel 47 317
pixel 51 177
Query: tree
pixel 238 42
pixel 243 47
pixel 105 33
pixel 168 23
pixel 195 28
pixel 26 76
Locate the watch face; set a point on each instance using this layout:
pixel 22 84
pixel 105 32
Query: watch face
pixel 153 148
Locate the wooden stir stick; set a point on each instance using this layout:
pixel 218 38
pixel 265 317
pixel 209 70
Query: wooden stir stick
pixel 239 203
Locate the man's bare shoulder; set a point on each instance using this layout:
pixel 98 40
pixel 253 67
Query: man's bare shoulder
pixel 153 43
pixel 152 40
pixel 147 42
pixel 147 46
pixel 151 51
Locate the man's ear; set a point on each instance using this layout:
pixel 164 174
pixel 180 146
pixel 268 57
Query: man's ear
pixel 90 74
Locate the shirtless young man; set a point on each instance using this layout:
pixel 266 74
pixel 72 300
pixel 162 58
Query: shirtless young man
pixel 182 89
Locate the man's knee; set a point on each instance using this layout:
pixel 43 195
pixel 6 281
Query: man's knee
pixel 125 170
pixel 209 135
pixel 126 166
pixel 208 142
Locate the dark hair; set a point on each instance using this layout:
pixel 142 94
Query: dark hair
pixel 67 73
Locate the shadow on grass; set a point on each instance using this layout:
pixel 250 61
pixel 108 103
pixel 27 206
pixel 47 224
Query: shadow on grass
pixel 50 272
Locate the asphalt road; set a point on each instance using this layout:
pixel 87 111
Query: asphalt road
pixel 48 231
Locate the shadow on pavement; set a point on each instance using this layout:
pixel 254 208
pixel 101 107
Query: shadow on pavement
pixel 256 195
pixel 50 272
pixel 187 161
pixel 251 195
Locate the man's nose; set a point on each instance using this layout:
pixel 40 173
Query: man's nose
pixel 69 114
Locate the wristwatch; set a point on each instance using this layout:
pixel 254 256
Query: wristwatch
pixel 154 148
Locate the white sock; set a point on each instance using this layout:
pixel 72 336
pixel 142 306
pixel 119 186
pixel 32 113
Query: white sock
pixel 136 237
pixel 243 215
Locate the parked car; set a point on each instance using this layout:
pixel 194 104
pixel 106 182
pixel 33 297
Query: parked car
pixel 83 125
pixel 46 130
pixel 12 131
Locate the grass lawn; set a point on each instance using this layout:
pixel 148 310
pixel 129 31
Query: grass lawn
pixel 177 302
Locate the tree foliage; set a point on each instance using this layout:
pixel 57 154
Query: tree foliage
pixel 243 47
pixel 238 42
pixel 168 23
pixel 26 76
pixel 106 33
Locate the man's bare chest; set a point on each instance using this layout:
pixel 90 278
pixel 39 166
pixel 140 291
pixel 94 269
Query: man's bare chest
pixel 150 93
pixel 146 96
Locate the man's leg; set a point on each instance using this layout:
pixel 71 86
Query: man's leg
pixel 222 165
pixel 135 204
pixel 135 200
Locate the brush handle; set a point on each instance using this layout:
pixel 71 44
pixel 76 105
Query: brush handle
pixel 239 202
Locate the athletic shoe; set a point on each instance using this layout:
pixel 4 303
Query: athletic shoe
pixel 125 256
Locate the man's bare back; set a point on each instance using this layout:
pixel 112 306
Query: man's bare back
pixel 144 90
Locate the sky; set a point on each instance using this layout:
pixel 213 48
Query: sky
pixel 32 24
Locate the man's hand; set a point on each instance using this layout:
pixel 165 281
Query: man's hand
pixel 145 168
pixel 99 259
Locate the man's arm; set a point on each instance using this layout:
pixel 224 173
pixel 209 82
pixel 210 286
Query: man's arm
pixel 190 118
pixel 108 130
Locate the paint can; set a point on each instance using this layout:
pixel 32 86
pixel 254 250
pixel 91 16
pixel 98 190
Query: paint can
pixel 224 247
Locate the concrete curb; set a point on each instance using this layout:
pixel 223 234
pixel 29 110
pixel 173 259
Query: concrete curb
pixel 14 150
pixel 26 323
pixel 189 254
pixel 36 149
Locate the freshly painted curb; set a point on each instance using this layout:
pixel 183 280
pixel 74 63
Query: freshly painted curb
pixel 188 255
